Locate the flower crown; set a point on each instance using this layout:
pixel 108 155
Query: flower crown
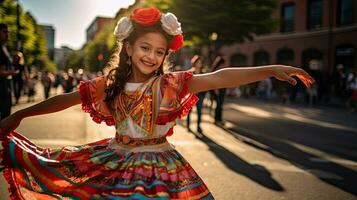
pixel 147 17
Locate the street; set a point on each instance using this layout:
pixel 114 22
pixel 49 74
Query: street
pixel 265 151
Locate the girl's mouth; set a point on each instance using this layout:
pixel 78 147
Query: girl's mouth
pixel 149 64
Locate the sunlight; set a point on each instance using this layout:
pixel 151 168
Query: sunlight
pixel 256 112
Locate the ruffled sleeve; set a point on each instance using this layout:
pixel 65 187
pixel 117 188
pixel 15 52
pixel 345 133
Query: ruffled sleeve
pixel 176 99
pixel 92 96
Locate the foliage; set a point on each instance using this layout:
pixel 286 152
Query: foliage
pixel 232 20
pixel 31 36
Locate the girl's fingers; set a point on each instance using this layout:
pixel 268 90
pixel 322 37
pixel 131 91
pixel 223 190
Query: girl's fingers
pixel 306 81
pixel 289 79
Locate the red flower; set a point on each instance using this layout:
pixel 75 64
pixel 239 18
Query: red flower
pixel 176 42
pixel 146 16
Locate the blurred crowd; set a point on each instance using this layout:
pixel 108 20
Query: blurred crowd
pixel 269 89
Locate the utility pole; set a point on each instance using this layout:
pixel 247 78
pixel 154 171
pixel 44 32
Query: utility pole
pixel 19 44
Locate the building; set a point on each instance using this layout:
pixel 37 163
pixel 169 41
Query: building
pixel 60 56
pixel 97 26
pixel 318 35
pixel 50 38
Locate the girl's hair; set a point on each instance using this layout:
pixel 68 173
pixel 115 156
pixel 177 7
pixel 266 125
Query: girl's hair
pixel 118 71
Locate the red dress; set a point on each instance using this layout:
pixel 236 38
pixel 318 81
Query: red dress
pixel 138 163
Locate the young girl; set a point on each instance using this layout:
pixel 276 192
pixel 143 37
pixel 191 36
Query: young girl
pixel 142 103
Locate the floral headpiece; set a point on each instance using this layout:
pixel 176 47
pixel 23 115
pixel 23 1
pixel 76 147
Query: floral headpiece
pixel 148 17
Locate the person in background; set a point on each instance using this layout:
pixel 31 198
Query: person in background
pixel 18 79
pixel 218 95
pixel 6 73
pixel 47 83
pixel 31 82
pixel 197 68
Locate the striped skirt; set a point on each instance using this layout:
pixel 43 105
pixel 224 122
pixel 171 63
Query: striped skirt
pixel 93 171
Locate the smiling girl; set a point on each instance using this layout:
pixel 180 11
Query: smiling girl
pixel 142 102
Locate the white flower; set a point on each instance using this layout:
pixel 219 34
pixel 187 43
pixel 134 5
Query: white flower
pixel 123 28
pixel 170 24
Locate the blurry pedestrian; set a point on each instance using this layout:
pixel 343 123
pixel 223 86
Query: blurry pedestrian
pixel 6 73
pixel 47 83
pixel 68 81
pixel 58 81
pixel 197 68
pixel 31 83
pixel 352 91
pixel 18 79
pixel 218 95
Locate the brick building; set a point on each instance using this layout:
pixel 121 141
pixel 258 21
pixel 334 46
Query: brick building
pixel 318 35
pixel 97 26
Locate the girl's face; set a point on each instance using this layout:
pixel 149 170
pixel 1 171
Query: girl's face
pixel 147 54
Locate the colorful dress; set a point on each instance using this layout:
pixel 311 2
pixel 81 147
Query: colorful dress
pixel 138 163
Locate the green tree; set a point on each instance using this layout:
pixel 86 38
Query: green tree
pixel 75 60
pixel 33 43
pixel 230 20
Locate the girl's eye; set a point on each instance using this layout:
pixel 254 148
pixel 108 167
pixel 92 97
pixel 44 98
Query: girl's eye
pixel 145 48
pixel 160 53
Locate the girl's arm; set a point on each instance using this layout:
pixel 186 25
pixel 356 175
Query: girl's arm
pixel 53 104
pixel 231 77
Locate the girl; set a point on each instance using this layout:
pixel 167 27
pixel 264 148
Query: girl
pixel 142 103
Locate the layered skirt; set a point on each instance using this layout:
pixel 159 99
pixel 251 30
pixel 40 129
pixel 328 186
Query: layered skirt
pixel 94 171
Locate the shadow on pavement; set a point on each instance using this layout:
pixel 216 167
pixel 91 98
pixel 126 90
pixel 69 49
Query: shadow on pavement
pixel 257 173
pixel 324 170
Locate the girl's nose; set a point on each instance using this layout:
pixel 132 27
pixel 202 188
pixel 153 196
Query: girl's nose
pixel 151 55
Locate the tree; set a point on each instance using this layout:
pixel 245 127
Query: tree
pixel 31 35
pixel 230 20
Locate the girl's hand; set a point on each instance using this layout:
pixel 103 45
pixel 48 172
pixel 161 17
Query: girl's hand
pixel 9 124
pixel 284 73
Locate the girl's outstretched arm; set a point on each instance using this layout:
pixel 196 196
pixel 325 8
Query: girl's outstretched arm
pixel 53 104
pixel 231 77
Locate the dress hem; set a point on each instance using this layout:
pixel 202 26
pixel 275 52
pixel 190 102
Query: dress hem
pixel 6 163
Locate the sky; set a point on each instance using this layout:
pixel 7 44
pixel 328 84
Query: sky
pixel 71 18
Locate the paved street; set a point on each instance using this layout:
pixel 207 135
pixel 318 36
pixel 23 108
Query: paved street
pixel 266 151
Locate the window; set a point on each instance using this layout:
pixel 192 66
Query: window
pixel 346 12
pixel 314 14
pixel 261 58
pixel 285 56
pixel 239 60
pixel 287 17
pixel 312 59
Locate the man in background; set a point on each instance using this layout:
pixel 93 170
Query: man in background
pixel 6 73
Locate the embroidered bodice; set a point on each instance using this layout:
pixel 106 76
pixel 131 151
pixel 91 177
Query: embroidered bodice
pixel 144 110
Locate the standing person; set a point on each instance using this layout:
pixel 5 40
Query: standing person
pixel 68 81
pixel 47 83
pixel 197 67
pixel 18 79
pixel 58 81
pixel 6 73
pixel 219 94
pixel 31 83
pixel 143 103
